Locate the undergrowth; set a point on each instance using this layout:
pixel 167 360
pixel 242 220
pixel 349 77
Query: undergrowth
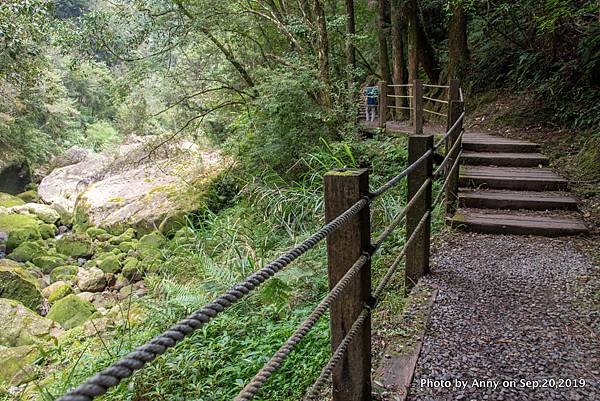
pixel 216 250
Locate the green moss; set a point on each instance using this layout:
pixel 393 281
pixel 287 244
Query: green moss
pixel 28 251
pixel 7 200
pixel 59 293
pixel 15 364
pixel 20 228
pixel 126 246
pixel 18 284
pixel 48 263
pixel 110 264
pixel 117 199
pixel 95 233
pixel 65 273
pixel 29 196
pixel 132 270
pixel 47 231
pixel 71 311
pixel 75 245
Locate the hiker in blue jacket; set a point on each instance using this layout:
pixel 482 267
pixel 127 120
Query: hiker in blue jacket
pixel 372 102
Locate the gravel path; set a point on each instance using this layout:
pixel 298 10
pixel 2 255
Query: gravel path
pixel 511 309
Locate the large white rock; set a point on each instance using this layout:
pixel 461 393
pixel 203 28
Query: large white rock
pixel 136 185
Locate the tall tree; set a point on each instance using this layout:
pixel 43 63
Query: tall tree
pixel 350 32
pixel 383 7
pixel 458 51
pixel 412 20
pixel 398 63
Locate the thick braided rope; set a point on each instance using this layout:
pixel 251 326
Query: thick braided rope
pixel 400 216
pixel 394 181
pixel 442 190
pixel 313 393
pixel 439 171
pixel 124 368
pixel 286 349
pixel 315 390
pixel 449 132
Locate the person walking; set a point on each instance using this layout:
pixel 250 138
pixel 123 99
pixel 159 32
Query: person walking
pixel 372 102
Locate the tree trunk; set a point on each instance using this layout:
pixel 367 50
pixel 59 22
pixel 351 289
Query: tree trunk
pixel 413 41
pixel 350 31
pixel 322 46
pixel 383 33
pixel 458 51
pixel 398 64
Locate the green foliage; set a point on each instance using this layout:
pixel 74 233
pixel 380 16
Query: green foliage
pixel 101 136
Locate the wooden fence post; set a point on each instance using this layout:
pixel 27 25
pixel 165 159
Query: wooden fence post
pixel 352 376
pixel 383 102
pixel 455 109
pixel 417 106
pixel 417 254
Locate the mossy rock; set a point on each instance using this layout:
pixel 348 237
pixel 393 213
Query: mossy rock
pixel 29 196
pixel 17 365
pixel 20 325
pixel 65 273
pixel 28 251
pixel 48 231
pixel 173 223
pixel 7 200
pixel 18 284
pixel 96 232
pixel 75 245
pixel 127 236
pixel 20 228
pixel 127 246
pixel 71 311
pixel 132 270
pixel 154 240
pixel 110 264
pixel 48 263
pixel 60 292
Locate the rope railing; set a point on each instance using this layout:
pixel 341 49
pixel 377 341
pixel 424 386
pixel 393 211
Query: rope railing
pixel 416 214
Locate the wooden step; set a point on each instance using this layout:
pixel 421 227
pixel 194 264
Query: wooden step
pixel 499 199
pixel 492 223
pixel 514 178
pixel 504 159
pixel 488 143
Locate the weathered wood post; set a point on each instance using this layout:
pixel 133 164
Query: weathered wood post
pixel 417 106
pixel 352 376
pixel 417 254
pixel 455 109
pixel 383 103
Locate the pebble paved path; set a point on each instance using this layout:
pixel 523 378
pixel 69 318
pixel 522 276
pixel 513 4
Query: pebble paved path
pixel 511 309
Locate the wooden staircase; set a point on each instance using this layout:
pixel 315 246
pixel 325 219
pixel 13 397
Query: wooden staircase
pixel 505 189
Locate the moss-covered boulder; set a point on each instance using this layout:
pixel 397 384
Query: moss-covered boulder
pixel 19 228
pixel 16 365
pixel 127 236
pixel 18 284
pixel 75 245
pixel 19 325
pixel 95 232
pixel 110 264
pixel 71 311
pixel 91 280
pixel 48 263
pixel 153 240
pixel 7 200
pixel 47 291
pixel 64 273
pixel 127 246
pixel 29 196
pixel 132 270
pixel 48 231
pixel 28 251
pixel 45 213
pixel 60 292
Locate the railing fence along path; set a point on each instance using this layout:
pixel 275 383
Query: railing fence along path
pixel 349 253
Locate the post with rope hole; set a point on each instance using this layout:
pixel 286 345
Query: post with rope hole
pixel 343 188
pixel 417 107
pixel 417 253
pixel 455 109
pixel 383 97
